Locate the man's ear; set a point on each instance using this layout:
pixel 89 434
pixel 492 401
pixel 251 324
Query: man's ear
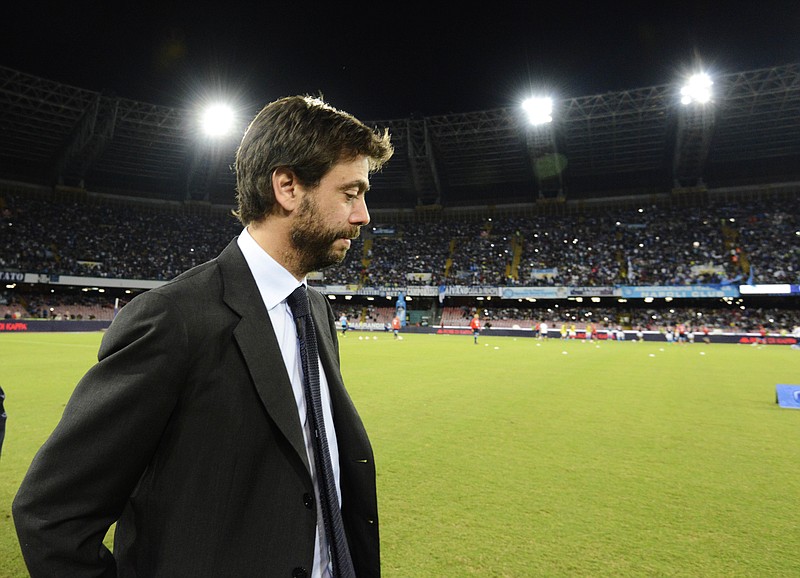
pixel 285 186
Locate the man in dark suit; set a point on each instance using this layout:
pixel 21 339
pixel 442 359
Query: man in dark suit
pixel 191 431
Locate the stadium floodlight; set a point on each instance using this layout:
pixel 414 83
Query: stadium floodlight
pixel 697 89
pixel 218 120
pixel 539 110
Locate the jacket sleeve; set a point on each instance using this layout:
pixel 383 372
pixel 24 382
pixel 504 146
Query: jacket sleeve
pixel 81 478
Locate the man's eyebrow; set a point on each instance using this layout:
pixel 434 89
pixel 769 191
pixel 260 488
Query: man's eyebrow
pixel 360 184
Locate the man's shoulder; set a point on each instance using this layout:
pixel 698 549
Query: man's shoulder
pixel 200 278
pixel 196 279
pixel 187 291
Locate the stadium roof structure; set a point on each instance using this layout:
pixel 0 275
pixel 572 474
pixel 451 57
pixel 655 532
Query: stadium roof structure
pixel 615 144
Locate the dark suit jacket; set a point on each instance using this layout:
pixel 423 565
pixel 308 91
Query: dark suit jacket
pixel 187 432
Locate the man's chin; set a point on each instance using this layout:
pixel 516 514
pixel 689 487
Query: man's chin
pixel 338 255
pixel 333 258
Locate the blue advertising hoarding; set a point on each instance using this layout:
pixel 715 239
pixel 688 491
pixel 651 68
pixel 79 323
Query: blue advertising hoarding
pixel 678 291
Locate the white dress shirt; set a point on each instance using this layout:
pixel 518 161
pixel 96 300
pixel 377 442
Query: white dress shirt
pixel 275 284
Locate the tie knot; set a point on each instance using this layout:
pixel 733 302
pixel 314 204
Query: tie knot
pixel 298 302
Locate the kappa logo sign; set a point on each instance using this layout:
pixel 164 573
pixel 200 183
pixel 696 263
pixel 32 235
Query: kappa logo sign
pixel 13 326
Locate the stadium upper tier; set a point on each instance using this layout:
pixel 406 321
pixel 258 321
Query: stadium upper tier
pixel 645 244
pixel 620 143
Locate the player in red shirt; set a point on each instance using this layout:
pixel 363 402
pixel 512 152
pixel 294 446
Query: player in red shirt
pixel 475 325
pixel 396 326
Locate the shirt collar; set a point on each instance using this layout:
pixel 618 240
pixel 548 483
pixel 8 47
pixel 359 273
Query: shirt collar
pixel 274 282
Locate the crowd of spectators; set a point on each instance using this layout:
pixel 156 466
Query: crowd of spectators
pixel 715 244
pixel 649 245
pixel 97 239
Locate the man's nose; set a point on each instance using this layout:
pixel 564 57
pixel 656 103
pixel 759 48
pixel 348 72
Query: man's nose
pixel 360 214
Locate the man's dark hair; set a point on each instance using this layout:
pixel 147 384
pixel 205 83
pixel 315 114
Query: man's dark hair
pixel 306 135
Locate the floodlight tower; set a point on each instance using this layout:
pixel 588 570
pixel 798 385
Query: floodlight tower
pixel 547 164
pixel 215 128
pixel 695 130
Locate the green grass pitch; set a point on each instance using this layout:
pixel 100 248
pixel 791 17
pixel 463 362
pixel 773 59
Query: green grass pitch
pixel 519 457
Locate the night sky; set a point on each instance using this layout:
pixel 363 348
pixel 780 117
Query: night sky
pixel 413 59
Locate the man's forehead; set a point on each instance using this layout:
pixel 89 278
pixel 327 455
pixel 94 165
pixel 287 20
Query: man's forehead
pixel 354 172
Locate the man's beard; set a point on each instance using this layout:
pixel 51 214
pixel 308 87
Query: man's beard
pixel 314 242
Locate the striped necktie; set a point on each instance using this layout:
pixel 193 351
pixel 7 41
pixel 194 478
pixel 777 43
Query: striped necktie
pixel 329 500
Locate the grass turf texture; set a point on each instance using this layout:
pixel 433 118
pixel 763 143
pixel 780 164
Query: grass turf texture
pixel 518 457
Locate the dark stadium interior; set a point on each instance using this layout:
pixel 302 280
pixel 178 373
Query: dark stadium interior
pixel 630 142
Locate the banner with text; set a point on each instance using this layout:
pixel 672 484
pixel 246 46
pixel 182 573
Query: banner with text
pixel 678 291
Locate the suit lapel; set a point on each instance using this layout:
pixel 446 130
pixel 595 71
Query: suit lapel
pixel 256 340
pixel 350 433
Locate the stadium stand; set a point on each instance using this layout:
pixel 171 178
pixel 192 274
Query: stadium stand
pixel 650 245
